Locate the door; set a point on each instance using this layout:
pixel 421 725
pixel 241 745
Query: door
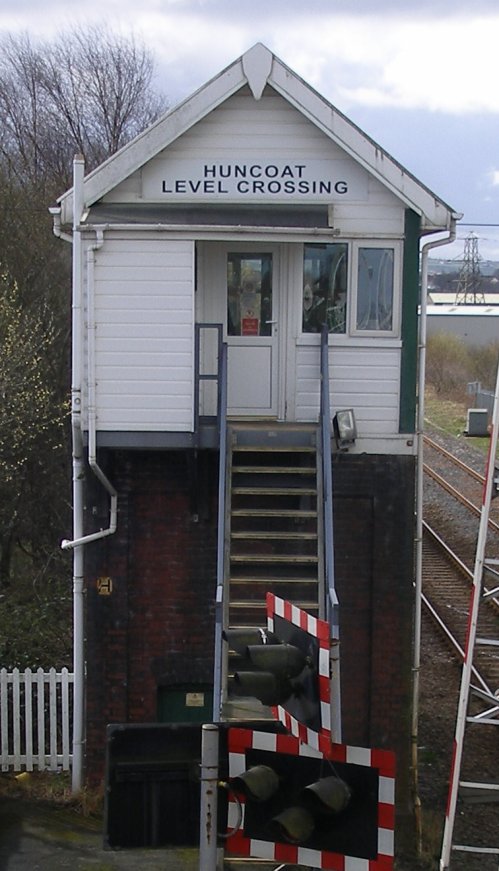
pixel 251 326
pixel 241 283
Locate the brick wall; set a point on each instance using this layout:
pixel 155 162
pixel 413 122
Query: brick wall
pixel 374 557
pixel 156 628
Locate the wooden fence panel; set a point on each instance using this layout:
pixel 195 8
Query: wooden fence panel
pixel 35 719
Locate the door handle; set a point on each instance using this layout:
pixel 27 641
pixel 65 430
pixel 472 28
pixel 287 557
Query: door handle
pixel 270 322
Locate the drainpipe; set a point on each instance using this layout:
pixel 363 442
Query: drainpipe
pixel 425 250
pixel 79 539
pixel 78 472
pixel 91 405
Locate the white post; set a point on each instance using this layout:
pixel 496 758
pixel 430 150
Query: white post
pixel 78 476
pixel 209 781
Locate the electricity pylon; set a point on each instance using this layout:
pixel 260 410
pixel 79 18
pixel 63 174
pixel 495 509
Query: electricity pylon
pixel 469 283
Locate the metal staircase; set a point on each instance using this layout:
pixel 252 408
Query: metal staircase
pixel 272 523
pixel 275 532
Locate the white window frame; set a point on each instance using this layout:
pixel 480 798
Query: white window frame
pixel 304 334
pixel 396 247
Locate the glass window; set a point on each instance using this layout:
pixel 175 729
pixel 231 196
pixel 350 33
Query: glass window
pixel 249 294
pixel 375 289
pixel 325 287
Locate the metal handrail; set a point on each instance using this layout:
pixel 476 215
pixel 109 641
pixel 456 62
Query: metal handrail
pixel 332 608
pixel 202 376
pixel 222 493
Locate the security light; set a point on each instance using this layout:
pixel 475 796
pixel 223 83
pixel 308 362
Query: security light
pixel 345 428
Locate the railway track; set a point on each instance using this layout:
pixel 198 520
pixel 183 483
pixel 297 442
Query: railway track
pixel 447 583
pixel 448 577
pixel 466 488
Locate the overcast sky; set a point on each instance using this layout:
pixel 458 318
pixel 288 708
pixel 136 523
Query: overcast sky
pixel 419 76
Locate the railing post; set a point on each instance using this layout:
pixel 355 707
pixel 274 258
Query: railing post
pixel 209 798
pixel 327 487
pixel 219 666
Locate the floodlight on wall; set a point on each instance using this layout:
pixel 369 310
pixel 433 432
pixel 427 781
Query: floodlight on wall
pixel 345 428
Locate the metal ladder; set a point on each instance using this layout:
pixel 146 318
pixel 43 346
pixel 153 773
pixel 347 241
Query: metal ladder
pixel 486 701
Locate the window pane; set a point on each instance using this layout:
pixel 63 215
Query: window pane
pixel 249 294
pixel 325 287
pixel 375 289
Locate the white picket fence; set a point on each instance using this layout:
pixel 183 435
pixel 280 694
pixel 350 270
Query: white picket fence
pixel 35 719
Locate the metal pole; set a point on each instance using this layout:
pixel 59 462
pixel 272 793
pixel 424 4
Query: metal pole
pixel 208 814
pixel 78 477
pixel 425 250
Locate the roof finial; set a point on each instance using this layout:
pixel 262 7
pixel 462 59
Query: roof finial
pixel 257 64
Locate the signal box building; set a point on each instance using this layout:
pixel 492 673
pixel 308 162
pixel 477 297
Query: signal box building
pixel 209 253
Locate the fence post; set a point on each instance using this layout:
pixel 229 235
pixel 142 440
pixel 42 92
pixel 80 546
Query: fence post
pixel 65 717
pixel 4 718
pixel 16 719
pixel 40 701
pixel 28 718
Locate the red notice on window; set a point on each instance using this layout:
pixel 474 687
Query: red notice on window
pixel 250 326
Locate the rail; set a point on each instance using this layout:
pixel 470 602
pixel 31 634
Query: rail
pixel 438 615
pixel 204 377
pixel 327 491
pixel 219 665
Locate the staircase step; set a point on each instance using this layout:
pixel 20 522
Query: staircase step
pixel 274 491
pixel 273 512
pixel 282 536
pixel 250 604
pixel 273 558
pixel 271 581
pixel 274 470
pixel 272 449
pixel 281 438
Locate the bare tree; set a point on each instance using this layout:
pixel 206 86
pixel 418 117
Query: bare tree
pixel 87 91
pixel 23 116
pixel 90 91
pixel 100 86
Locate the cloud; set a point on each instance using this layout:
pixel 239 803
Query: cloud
pixel 495 177
pixel 446 64
pixel 414 54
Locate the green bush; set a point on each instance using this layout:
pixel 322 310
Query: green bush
pixel 485 361
pixel 448 364
pixel 451 364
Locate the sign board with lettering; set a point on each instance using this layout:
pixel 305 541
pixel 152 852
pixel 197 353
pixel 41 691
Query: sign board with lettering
pixel 178 180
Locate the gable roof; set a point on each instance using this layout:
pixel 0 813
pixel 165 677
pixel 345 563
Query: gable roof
pixel 257 68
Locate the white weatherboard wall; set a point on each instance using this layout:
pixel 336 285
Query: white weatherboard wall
pixel 243 130
pixel 365 378
pixel 144 347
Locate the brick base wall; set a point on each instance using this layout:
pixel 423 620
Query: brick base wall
pixel 156 627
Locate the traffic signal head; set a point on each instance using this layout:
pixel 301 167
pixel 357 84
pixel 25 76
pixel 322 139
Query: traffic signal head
pixel 326 797
pixel 259 783
pixel 267 670
pixel 308 807
pixel 285 667
pixel 330 795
